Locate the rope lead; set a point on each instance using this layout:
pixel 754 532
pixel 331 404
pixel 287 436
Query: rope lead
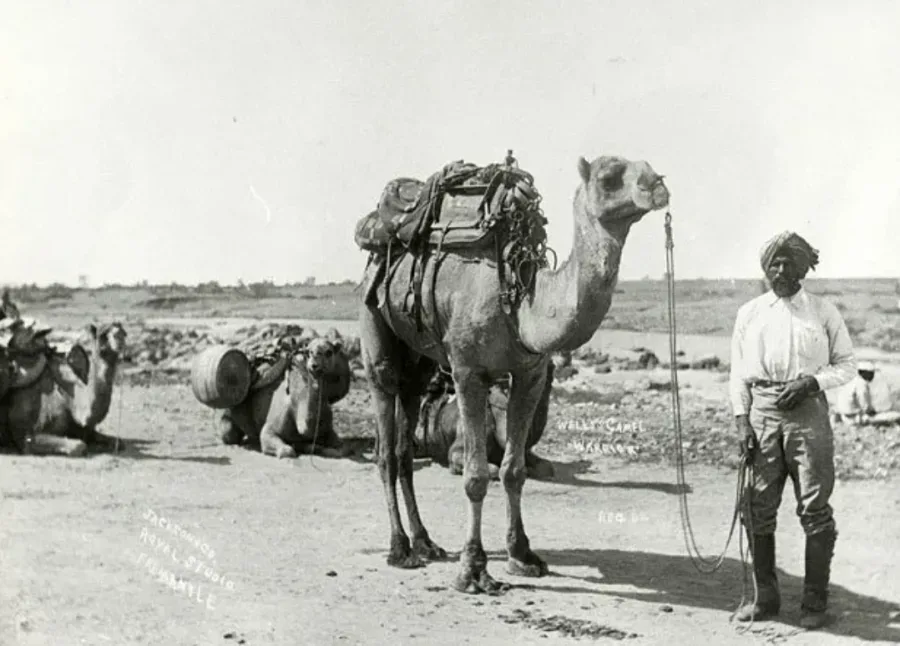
pixel 742 495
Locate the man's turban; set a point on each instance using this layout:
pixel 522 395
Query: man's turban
pixel 793 245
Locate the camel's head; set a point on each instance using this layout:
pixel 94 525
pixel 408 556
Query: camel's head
pixel 618 189
pixel 322 356
pixel 108 339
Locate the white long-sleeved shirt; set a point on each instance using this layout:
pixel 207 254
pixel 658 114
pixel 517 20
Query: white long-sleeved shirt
pixel 861 396
pixel 780 339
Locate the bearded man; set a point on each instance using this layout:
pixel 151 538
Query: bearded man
pixel 788 348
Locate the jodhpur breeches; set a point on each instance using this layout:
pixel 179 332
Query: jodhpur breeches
pixel 799 444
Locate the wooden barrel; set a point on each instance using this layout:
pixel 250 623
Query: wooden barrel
pixel 220 376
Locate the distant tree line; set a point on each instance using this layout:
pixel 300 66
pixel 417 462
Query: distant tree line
pixel 32 292
pixel 36 294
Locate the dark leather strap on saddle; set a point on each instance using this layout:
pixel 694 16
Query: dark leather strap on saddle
pixel 495 208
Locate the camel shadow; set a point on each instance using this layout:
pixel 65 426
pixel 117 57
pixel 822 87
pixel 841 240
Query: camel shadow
pixel 137 449
pixel 363 452
pixel 359 447
pixel 674 580
pixel 566 473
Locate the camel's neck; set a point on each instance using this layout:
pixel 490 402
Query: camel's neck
pixel 571 302
pixel 92 399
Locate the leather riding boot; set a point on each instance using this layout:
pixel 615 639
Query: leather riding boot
pixel 768 603
pixel 819 551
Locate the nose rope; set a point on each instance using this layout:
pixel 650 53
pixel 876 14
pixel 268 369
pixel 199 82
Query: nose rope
pixel 320 382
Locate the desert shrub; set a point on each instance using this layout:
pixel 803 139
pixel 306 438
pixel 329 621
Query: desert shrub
pixel 211 287
pixel 262 289
pixel 34 294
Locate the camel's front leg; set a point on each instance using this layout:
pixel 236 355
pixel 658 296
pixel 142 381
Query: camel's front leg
pixel 278 428
pixel 422 545
pixel 46 444
pixel 524 395
pixel 471 393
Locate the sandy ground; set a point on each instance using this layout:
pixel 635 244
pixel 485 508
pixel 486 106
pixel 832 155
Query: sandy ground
pixel 299 549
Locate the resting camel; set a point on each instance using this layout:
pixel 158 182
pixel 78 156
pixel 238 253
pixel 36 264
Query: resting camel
pixel 481 343
pixel 56 402
pixel 291 413
pixel 442 442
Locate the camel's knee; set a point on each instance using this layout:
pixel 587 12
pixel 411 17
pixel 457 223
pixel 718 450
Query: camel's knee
pixel 476 485
pixel 513 475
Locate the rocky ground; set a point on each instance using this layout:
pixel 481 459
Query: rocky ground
pixel 617 402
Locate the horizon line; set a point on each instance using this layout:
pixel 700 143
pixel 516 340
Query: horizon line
pixel 346 281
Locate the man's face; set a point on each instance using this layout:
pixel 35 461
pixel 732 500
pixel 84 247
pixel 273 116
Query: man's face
pixel 783 276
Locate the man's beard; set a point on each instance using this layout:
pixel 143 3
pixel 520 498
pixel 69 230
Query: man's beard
pixel 784 285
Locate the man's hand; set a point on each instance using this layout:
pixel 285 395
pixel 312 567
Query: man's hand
pixel 748 444
pixel 796 391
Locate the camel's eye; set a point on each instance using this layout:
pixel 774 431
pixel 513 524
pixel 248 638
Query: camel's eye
pixel 612 178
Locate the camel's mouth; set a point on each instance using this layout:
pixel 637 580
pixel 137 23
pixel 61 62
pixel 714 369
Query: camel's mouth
pixel 660 196
pixel 652 195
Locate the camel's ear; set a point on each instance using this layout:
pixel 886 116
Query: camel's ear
pixel 91 330
pixel 584 169
pixel 337 344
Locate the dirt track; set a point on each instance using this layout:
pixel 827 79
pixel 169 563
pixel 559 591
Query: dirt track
pixel 301 545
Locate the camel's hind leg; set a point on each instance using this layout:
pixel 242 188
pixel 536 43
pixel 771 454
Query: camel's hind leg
pixel 472 393
pixel 231 426
pixel 422 545
pixel 383 364
pixel 524 395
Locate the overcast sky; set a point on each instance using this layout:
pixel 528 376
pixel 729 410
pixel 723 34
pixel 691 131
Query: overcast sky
pixel 188 140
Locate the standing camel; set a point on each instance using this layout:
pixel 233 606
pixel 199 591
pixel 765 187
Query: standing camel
pixel 481 343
